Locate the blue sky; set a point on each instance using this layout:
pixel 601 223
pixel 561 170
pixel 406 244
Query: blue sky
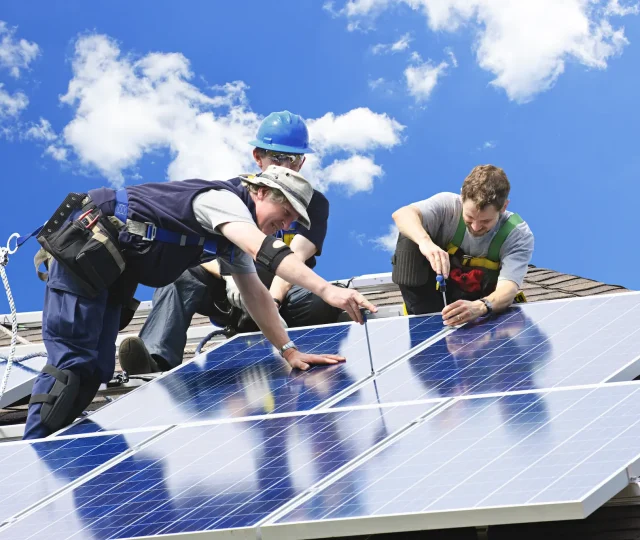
pixel 403 98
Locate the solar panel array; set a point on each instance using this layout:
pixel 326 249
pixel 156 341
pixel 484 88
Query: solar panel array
pixel 20 379
pixel 518 418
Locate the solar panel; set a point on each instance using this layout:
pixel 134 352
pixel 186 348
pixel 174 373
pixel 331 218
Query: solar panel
pixel 30 472
pixel 217 477
pixel 495 438
pixel 244 377
pixel 546 345
pixel 522 457
pixel 20 379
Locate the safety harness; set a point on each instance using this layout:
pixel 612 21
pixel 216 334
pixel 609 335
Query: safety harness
pixel 149 232
pixel 476 277
pixel 470 278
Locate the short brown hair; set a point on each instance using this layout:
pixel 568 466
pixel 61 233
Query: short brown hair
pixel 485 185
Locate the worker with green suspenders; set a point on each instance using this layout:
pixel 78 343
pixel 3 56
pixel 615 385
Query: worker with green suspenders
pixel 468 245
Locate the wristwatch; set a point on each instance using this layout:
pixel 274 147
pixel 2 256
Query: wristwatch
pixel 488 305
pixel 286 347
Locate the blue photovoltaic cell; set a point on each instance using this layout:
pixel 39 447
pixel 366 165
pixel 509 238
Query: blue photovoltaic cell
pixel 245 378
pixel 565 343
pixel 213 477
pixel 20 379
pixel 485 454
pixel 30 472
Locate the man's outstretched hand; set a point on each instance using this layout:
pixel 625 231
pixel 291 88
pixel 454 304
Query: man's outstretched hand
pixel 349 300
pixel 300 360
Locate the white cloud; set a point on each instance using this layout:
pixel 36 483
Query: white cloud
pixel 614 8
pixel 11 104
pixel 373 84
pixel 452 57
pixel 357 130
pixel 128 107
pixel 422 78
pixel 489 145
pixel 356 173
pixel 15 55
pixel 56 152
pixel 525 44
pixel 400 45
pixel 387 242
pixel 41 132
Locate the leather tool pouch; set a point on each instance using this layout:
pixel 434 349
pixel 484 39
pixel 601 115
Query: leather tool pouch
pixel 86 246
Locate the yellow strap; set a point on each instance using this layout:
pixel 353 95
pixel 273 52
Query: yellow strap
pixel 288 237
pixel 404 309
pixel 482 262
pixel 520 298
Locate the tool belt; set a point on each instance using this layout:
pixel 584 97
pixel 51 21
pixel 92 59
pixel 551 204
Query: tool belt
pixel 87 246
pixel 410 266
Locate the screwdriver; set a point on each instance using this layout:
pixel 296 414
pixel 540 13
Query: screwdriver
pixel 441 285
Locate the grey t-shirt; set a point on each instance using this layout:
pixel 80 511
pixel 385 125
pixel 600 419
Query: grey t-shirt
pixel 440 218
pixel 217 207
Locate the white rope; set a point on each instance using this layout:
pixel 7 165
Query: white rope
pixel 4 259
pixel 19 338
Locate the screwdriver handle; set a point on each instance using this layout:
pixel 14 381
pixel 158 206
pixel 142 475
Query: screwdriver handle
pixel 441 283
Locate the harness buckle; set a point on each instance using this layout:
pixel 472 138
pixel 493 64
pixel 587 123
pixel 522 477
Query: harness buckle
pixel 88 220
pixel 150 233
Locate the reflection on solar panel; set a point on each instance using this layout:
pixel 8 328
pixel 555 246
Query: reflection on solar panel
pixel 546 345
pixel 520 457
pixel 20 379
pixel 33 471
pixel 244 377
pixel 214 477
pixel 496 437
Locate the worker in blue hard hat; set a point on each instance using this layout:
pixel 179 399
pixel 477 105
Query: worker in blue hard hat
pixel 282 139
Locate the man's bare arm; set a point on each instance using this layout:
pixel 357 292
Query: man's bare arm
pixel 463 311
pixel 264 312
pixel 249 238
pixel 304 249
pixel 409 222
pixel 503 296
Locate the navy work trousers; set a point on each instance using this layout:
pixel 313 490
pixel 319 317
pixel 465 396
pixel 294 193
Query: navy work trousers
pixel 79 334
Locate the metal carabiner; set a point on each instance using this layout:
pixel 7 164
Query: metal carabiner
pixel 9 250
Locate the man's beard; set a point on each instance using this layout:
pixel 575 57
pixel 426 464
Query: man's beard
pixel 476 234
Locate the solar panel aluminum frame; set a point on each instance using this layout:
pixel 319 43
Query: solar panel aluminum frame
pixel 16 392
pixel 578 508
pixel 249 532
pixel 71 484
pixel 326 404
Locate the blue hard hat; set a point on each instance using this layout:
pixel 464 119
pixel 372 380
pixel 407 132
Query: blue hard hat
pixel 283 132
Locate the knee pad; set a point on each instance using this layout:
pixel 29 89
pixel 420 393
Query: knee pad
pixel 58 403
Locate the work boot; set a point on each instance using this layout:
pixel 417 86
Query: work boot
pixel 135 358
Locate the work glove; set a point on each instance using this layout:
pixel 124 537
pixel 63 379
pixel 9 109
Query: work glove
pixel 235 299
pixel 233 293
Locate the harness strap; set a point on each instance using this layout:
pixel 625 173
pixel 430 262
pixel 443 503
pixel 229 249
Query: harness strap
pixel 458 237
pixel 73 201
pixel 149 232
pixel 496 244
pixel 492 260
pixel 57 374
